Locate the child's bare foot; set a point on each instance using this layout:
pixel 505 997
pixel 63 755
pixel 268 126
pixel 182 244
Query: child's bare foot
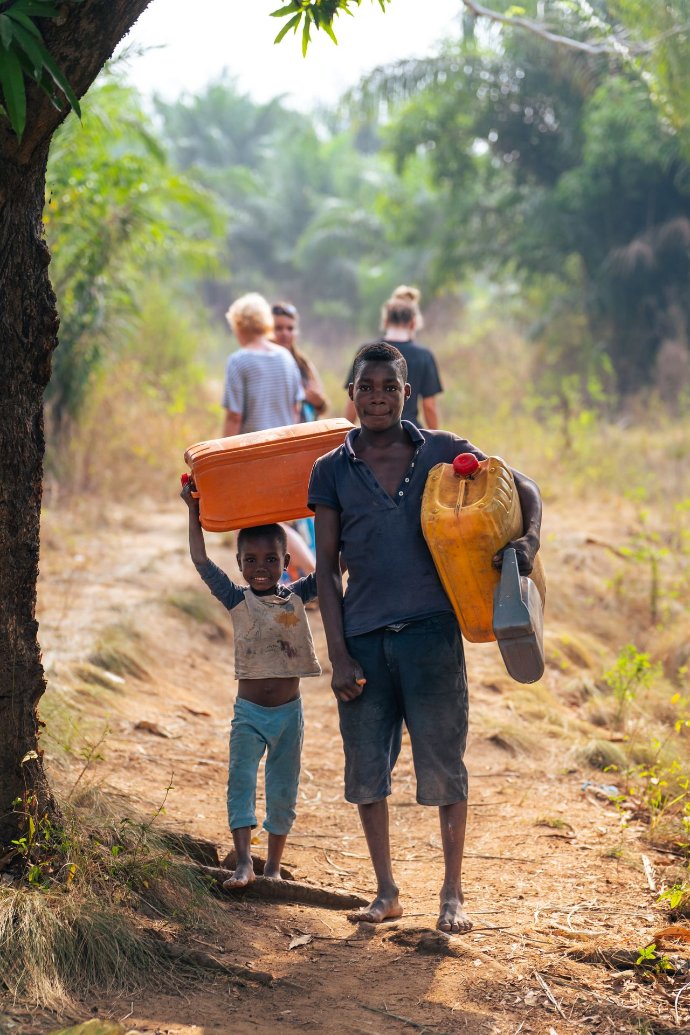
pixel 384 907
pixel 452 917
pixel 243 875
pixel 276 845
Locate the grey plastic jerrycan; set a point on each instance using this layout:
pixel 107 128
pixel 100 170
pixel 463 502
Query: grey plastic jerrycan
pixel 518 622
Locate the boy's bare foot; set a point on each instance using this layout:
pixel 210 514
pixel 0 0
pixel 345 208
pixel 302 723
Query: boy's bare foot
pixel 452 918
pixel 384 907
pixel 276 845
pixel 243 875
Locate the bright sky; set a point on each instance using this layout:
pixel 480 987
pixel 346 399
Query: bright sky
pixel 202 37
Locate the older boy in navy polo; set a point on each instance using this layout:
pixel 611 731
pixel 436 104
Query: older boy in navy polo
pixel 393 639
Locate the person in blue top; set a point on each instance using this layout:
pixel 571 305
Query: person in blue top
pixel 263 385
pixel 263 390
pixel 393 638
pixel 273 650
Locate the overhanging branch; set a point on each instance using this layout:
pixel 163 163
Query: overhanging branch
pixel 611 45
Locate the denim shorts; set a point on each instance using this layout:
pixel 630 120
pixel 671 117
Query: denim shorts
pixel 414 675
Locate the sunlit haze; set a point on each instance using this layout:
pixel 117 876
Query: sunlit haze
pixel 195 42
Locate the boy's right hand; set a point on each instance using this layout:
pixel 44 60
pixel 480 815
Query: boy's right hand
pixel 348 680
pixel 188 487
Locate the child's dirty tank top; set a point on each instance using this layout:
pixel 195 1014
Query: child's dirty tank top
pixel 272 638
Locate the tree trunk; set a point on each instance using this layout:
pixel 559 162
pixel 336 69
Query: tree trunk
pixel 81 40
pixel 28 335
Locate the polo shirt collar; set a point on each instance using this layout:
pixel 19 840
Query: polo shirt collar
pixel 416 437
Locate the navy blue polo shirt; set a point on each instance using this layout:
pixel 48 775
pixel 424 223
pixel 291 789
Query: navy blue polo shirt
pixel 391 575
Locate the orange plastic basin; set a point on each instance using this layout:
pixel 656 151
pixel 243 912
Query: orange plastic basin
pixel 261 477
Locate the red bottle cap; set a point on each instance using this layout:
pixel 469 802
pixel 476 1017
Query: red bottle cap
pixel 184 478
pixel 465 465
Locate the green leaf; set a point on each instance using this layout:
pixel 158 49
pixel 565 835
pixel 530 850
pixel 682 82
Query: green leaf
pixel 12 83
pixel 34 874
pixel 42 68
pixel 6 31
pixel 32 49
pixel 37 8
pixel 305 33
pixel 328 28
pixel 61 81
pixel 293 23
pixel 23 19
pixel 283 12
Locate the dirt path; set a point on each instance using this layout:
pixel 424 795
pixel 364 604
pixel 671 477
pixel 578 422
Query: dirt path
pixel 549 868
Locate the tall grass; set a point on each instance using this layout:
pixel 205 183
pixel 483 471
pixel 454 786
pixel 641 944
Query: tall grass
pixel 83 915
pixel 146 403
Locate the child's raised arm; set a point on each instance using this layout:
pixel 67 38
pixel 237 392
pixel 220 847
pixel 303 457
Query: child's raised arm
pixel 197 546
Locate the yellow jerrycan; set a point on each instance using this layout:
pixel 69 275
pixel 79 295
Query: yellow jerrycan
pixel 470 510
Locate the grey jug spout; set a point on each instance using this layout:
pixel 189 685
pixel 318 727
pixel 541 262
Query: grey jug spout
pixel 518 622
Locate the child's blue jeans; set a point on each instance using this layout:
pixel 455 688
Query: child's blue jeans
pixel 254 731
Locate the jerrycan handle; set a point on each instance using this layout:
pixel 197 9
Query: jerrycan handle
pixel 518 622
pixel 510 610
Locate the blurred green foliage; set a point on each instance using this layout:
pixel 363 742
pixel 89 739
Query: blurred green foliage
pixel 305 203
pixel 118 213
pixel 552 183
pixel 541 154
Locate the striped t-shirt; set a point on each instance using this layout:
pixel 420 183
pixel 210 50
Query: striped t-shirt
pixel 264 387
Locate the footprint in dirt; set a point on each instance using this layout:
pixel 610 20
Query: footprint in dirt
pixel 424 940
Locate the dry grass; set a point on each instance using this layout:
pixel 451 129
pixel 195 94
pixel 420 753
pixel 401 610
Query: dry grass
pixel 576 650
pixel 120 650
pixel 552 822
pixel 131 438
pixel 602 754
pixel 97 676
pixel 72 727
pixel 198 605
pixel 514 738
pixel 601 711
pixel 57 946
pixel 89 921
pixel 537 702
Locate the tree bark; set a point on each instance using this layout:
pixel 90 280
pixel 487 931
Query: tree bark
pixel 28 328
pixel 81 43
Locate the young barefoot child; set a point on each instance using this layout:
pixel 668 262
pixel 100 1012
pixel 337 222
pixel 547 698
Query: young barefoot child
pixel 273 649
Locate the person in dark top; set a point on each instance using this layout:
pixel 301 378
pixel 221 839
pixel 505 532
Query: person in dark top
pixel 393 639
pixel 400 318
